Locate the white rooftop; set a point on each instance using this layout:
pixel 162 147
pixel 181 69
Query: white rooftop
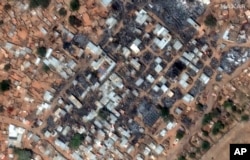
pixel 177 45
pixel 188 98
pixel 141 17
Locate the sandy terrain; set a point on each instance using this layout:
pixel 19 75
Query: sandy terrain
pixel 239 134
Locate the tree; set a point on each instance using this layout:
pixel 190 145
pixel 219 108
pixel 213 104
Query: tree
pixel 207 119
pixel 245 117
pixel 205 145
pixel 5 85
pixel 23 154
pixel 228 104
pixel 7 7
pixel 44 3
pixel 74 5
pixel 165 114
pixel 205 133
pixel 7 66
pixel 46 68
pixel 41 51
pixel 180 134
pixel 62 12
pixel 234 108
pixel 103 113
pixel 210 21
pixel 39 3
pixel 164 111
pixel 76 141
pixel 217 127
pixel 182 158
pixel 200 107
pixel 74 21
pixel 192 155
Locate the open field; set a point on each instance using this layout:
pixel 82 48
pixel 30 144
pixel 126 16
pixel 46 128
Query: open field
pixel 239 134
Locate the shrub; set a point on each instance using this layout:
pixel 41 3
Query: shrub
pixel 245 117
pixel 76 141
pixel 205 133
pixel 74 21
pixel 205 145
pixel 7 67
pixel 39 3
pixel 182 158
pixel 7 7
pixel 217 127
pixel 41 51
pixel 5 85
pixel 228 103
pixel 46 68
pixel 180 134
pixel 23 154
pixel 103 113
pixel 200 107
pixel 210 21
pixel 62 12
pixel 207 119
pixel 192 155
pixel 74 5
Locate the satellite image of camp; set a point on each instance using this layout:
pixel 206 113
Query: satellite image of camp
pixel 124 79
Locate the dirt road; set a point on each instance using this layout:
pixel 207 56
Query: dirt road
pixel 36 131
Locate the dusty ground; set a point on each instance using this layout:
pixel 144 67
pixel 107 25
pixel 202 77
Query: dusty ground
pixel 239 134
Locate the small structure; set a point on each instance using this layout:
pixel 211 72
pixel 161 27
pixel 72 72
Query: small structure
pixel 141 17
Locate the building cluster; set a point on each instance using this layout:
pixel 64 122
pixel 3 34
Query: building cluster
pixel 113 101
pixel 237 15
pixel 111 92
pixel 148 59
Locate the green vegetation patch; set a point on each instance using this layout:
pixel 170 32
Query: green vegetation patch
pixel 46 68
pixel 103 113
pixel 23 154
pixel 205 133
pixel 62 12
pixel 7 7
pixel 192 155
pixel 39 3
pixel 207 119
pixel 210 21
pixel 228 104
pixel 182 158
pixel 76 141
pixel 74 5
pixel 245 117
pixel 217 127
pixel 7 66
pixel 41 51
pixel 74 21
pixel 180 134
pixel 5 85
pixel 205 145
pixel 166 115
pixel 200 107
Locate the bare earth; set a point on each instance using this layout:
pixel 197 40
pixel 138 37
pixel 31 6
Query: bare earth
pixel 239 134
